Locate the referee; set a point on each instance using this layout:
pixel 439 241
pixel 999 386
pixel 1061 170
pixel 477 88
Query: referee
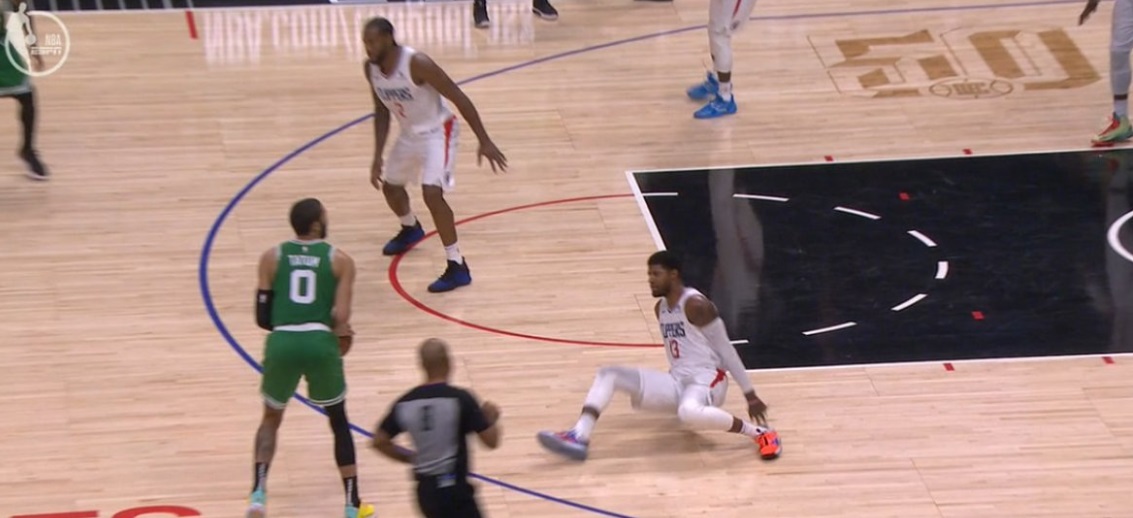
pixel 438 416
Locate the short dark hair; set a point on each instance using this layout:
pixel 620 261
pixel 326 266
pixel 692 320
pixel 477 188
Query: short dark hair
pixel 304 214
pixel 666 260
pixel 382 25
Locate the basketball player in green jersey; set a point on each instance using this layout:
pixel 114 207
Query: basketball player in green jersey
pixel 14 80
pixel 303 299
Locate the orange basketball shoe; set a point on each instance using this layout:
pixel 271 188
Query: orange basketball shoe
pixel 769 446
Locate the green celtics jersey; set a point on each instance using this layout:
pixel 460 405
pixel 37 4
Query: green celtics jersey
pixel 305 285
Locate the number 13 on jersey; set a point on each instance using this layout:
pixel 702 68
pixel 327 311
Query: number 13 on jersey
pixel 674 348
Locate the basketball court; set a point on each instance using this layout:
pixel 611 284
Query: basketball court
pixel 923 265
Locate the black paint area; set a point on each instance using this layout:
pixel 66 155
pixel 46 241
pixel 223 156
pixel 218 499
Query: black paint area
pixel 1030 271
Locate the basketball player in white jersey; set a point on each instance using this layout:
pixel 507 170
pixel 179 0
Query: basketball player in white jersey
pixel 1120 45
pixel 725 17
pixel 411 86
pixel 699 353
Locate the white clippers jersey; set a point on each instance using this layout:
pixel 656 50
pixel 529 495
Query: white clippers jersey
pixel 686 347
pixel 418 108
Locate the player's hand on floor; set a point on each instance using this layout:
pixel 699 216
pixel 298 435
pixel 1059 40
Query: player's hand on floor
pixel 757 410
pixel 495 157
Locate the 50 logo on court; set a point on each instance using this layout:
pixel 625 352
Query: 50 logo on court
pixel 957 64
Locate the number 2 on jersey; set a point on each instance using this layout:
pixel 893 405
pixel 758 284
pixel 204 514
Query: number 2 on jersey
pixel 302 289
pixel 675 348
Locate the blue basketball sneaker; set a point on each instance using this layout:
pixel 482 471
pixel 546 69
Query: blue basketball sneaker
pixel 565 444
pixel 455 276
pixel 704 90
pixel 716 108
pixel 257 505
pixel 407 237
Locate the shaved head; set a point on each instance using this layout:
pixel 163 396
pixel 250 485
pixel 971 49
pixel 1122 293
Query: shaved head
pixel 434 358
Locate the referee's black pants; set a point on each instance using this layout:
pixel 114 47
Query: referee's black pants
pixel 446 496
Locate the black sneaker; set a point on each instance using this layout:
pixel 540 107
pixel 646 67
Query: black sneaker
pixel 544 10
pixel 480 14
pixel 455 276
pixel 404 240
pixel 36 170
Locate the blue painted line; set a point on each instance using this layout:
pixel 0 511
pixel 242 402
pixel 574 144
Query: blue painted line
pixel 206 249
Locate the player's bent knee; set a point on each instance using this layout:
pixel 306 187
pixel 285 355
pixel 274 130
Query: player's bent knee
pixel 689 412
pixel 720 43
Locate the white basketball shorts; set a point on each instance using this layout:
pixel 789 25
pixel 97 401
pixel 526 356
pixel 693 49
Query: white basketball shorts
pixel 427 158
pixel 662 391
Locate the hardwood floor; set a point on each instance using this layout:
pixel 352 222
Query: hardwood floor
pixel 119 392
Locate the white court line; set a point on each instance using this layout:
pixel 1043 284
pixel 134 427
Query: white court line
pixel 650 194
pixel 1114 242
pixel 831 328
pixel 939 362
pixel 923 238
pixel 660 243
pixel 739 342
pixel 941 269
pixel 915 299
pixel 868 160
pixel 760 197
pixel 863 214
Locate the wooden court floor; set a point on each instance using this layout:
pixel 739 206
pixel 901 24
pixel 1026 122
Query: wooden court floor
pixel 127 283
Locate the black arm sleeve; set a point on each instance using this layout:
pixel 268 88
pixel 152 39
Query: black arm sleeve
pixel 472 417
pixel 263 308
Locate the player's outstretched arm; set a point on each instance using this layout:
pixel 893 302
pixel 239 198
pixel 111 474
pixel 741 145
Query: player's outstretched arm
pixel 702 313
pixel 425 69
pixel 264 293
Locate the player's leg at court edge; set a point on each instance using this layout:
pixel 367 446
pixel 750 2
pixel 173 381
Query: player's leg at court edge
pixel 575 443
pixel 16 84
pixel 345 459
pixel 264 452
pixel 393 189
pixel 1121 42
pixel 725 17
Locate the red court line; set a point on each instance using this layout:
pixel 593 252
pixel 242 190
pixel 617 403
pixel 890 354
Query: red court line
pixel 395 282
pixel 189 19
pixel 978 315
pixel 904 196
pixel 829 158
pixel 967 151
pixel 949 367
pixel 1108 359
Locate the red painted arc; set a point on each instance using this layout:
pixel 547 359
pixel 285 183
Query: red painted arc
pixel 397 287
